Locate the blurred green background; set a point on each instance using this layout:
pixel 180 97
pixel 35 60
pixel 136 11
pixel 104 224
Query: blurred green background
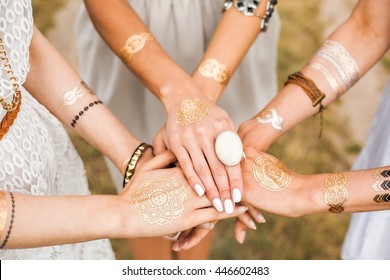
pixel 314 237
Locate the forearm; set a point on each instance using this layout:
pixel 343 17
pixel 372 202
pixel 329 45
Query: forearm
pixel 50 77
pixel 53 220
pixel 231 40
pixel 116 22
pixel 353 191
pixel 359 36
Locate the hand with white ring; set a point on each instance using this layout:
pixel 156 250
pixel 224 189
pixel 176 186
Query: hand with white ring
pixel 190 132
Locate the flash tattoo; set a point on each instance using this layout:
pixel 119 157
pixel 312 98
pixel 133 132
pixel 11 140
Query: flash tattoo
pixel 270 116
pixel 336 192
pixel 71 96
pixel 191 111
pixel 382 184
pixel 133 45
pixel 159 201
pixel 382 198
pixel 271 173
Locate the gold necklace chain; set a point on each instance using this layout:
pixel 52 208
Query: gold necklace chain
pixel 7 67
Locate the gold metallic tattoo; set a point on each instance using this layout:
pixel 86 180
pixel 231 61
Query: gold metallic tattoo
pixel 3 212
pixel 71 96
pixel 336 192
pixel 211 68
pixel 383 183
pixel 159 201
pixel 271 174
pixel 191 111
pixel 133 45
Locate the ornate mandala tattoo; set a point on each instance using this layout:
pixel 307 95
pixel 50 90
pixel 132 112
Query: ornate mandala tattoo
pixel 159 201
pixel 336 193
pixel 191 111
pixel 271 173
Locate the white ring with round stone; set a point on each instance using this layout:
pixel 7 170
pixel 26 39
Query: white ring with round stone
pixel 229 148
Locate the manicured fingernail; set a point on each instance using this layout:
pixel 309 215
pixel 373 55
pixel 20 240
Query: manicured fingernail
pixel 242 209
pixel 175 246
pixel 218 204
pixel 244 156
pixel 199 189
pixel 252 224
pixel 236 195
pixel 184 245
pixel 241 238
pixel 229 207
pixel 208 225
pixel 261 218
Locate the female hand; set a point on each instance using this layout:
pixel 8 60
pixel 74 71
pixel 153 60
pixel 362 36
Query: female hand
pixel 271 186
pixel 162 203
pixel 190 132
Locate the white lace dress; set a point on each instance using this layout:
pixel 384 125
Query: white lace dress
pixel 184 29
pixel 36 155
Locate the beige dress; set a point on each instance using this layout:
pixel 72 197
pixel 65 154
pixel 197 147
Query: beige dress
pixel 183 28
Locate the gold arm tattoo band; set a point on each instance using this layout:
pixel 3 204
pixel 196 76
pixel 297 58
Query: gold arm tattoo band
pixel 133 45
pixel 159 201
pixel 71 96
pixel 3 212
pixel 271 174
pixel 211 68
pixel 336 193
pixel 191 111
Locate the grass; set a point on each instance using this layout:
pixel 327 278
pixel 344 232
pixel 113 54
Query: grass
pixel 312 237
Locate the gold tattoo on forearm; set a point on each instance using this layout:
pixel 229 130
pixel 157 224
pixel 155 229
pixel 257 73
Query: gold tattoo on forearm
pixel 191 111
pixel 159 201
pixel 383 184
pixel 3 212
pixel 71 96
pixel 211 68
pixel 271 174
pixel 336 192
pixel 133 45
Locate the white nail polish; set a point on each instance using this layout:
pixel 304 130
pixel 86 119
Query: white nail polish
pixel 199 189
pixel 218 204
pixel 236 195
pixel 229 208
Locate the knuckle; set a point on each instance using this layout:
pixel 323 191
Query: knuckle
pixel 202 170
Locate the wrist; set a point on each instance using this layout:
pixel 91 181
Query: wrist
pixel 210 88
pixel 174 92
pixel 311 191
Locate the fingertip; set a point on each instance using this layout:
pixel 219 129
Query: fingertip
pixel 236 194
pixel 218 204
pixel 199 189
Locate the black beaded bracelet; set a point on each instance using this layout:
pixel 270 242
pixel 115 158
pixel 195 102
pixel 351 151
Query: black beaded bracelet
pixel 81 113
pixel 11 222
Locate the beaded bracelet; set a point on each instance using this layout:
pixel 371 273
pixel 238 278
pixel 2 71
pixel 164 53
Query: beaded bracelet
pixel 11 222
pixel 81 113
pixel 132 164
